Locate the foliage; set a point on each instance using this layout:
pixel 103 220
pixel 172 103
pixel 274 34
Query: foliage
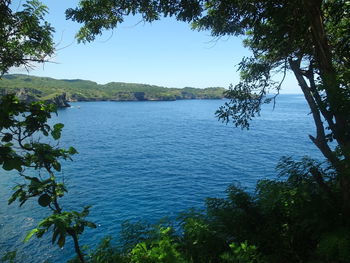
pixel 242 253
pixel 21 126
pixel 133 233
pixel 18 123
pixel 286 220
pixel 335 245
pixel 63 224
pixel 27 38
pixel 162 250
pixel 24 35
pixel 199 241
pixel 106 252
pixel 9 257
pixel 41 88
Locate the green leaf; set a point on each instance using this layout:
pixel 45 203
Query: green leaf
pixel 10 164
pixel 9 257
pixel 54 236
pixel 44 200
pixel 7 137
pixel 15 195
pixel 57 129
pixel 61 241
pixel 30 234
pixel 72 150
pixel 7 165
pixel 57 166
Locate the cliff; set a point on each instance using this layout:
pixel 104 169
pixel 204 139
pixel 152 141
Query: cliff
pixel 59 100
pixel 31 95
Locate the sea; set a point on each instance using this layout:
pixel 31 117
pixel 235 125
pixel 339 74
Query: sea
pixel 143 161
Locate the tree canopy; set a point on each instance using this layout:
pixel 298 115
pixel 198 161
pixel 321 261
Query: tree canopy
pixel 25 37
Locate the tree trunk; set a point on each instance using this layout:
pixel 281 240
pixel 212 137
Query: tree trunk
pixel 73 234
pixel 335 97
pixel 328 74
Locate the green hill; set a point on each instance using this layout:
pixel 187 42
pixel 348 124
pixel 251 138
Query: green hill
pixel 43 88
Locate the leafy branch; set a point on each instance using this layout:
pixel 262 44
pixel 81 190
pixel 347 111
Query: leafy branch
pixel 21 150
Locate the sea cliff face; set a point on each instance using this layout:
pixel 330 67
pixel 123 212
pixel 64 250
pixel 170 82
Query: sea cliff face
pixel 60 101
pixel 31 95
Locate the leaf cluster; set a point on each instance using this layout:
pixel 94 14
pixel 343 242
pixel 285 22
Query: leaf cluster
pixel 18 123
pixel 22 128
pixel 106 14
pixel 25 38
pixel 162 250
pixel 62 224
pixel 24 35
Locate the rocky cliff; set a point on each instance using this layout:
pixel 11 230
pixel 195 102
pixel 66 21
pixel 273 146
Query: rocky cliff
pixel 60 101
pixel 31 95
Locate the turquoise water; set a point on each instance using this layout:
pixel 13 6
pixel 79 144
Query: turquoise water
pixel 147 160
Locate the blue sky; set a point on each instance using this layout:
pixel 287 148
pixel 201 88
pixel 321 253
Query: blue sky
pixel 166 53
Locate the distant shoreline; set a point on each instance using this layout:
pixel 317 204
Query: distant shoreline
pixel 62 92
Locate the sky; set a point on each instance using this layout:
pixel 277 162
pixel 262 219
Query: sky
pixel 165 53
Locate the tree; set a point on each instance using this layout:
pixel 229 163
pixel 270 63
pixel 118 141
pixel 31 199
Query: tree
pixel 310 38
pixel 26 38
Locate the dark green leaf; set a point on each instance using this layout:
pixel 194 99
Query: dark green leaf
pixel 57 166
pixel 57 129
pixel 44 200
pixel 10 164
pixel 7 137
pixel 61 241
pixel 54 236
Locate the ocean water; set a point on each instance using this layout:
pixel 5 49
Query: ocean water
pixel 147 160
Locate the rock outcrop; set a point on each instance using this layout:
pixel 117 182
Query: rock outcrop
pixel 60 101
pixel 23 95
pixel 31 95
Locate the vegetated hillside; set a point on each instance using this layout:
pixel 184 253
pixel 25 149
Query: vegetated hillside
pixel 83 90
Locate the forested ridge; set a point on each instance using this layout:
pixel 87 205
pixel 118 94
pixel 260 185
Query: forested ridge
pixel 43 88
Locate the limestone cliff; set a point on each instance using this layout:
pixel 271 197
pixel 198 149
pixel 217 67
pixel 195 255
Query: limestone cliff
pixel 31 95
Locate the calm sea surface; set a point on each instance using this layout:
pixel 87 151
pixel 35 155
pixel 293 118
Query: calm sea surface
pixel 147 160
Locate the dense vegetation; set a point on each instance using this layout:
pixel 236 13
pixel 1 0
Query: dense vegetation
pixel 26 38
pixel 41 88
pixel 303 217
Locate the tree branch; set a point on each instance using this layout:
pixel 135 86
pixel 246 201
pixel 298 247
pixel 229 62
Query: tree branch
pixel 320 140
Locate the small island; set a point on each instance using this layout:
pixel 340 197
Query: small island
pixel 61 92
